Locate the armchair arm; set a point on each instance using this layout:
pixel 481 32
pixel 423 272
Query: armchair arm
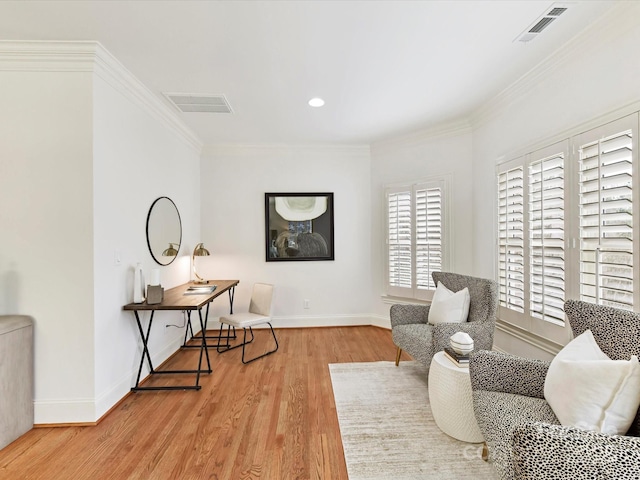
pixel 481 332
pixel 408 314
pixel 501 372
pixel 548 451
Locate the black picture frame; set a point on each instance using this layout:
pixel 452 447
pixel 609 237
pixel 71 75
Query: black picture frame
pixel 298 227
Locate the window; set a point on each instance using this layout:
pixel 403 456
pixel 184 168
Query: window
pixel 400 236
pixel 531 241
pixel 567 228
pixel 546 238
pixel 511 238
pixel 606 221
pixel 415 237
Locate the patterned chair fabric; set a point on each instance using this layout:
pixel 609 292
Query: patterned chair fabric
pixel 544 452
pixel 523 435
pixel 412 333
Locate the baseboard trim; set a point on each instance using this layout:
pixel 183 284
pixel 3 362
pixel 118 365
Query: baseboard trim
pixel 63 425
pixel 311 321
pixel 64 408
pixel 90 412
pixel 64 412
pixel 529 338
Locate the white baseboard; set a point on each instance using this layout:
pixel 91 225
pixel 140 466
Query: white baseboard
pixel 64 411
pixel 89 410
pixel 311 321
pixel 380 321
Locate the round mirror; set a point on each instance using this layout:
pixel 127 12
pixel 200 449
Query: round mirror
pixel 164 231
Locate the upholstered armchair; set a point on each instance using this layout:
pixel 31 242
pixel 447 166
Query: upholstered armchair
pixel 411 331
pixel 523 435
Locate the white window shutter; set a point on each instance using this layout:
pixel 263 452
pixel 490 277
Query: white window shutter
pixel 578 235
pixel 428 203
pixel 546 239
pixel 415 237
pixel 399 239
pixel 606 221
pixel 511 238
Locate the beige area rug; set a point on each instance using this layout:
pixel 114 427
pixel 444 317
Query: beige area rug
pixel 387 428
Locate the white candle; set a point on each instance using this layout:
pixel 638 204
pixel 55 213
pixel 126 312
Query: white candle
pixel 155 277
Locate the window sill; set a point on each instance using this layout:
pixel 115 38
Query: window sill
pixel 391 300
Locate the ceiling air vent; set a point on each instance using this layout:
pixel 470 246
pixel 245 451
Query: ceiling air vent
pixel 541 23
pixel 190 102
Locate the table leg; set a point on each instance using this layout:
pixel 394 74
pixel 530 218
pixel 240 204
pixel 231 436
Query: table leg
pixel 211 337
pixel 232 293
pixel 187 329
pixel 145 349
pixel 203 346
pixel 147 355
pixel 204 338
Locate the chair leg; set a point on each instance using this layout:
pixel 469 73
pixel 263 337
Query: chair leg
pixel 398 353
pixel 252 337
pixel 221 348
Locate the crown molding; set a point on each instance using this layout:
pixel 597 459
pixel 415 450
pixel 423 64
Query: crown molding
pixel 114 73
pixel 444 130
pixel 42 56
pixel 92 57
pixel 613 23
pixel 231 149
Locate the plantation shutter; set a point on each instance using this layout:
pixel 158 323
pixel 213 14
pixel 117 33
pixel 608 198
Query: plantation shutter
pixel 606 221
pixel 511 238
pixel 428 203
pixel 546 239
pixel 577 237
pixel 399 239
pixel 415 238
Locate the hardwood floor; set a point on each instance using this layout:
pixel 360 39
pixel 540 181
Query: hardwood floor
pixel 272 419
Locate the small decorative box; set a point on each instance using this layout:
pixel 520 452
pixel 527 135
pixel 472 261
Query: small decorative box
pixel 155 294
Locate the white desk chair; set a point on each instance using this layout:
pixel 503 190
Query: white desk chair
pixel 259 313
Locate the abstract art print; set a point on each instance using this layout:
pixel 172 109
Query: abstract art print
pixel 298 226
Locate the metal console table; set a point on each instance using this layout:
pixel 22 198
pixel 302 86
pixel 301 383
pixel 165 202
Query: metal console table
pixel 175 299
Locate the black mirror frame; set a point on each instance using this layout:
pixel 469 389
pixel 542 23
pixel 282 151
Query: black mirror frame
pixel 147 231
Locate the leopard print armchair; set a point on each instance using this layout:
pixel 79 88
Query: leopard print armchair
pixel 524 438
pixel 412 332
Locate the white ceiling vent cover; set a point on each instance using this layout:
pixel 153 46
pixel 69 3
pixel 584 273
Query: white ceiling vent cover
pixel 192 102
pixel 550 15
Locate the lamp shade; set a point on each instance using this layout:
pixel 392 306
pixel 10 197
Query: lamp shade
pixel 171 251
pixel 200 251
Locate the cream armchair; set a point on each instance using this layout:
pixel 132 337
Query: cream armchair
pixel 412 332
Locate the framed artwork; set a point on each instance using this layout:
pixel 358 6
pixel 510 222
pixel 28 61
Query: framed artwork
pixel 298 226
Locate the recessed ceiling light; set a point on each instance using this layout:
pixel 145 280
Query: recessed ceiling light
pixel 316 102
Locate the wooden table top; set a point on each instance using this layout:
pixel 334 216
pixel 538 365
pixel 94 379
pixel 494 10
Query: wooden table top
pixel 175 299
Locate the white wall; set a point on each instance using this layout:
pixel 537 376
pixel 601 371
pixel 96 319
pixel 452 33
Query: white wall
pixel 234 180
pixel 82 157
pixel 596 75
pixel 137 158
pixel 442 153
pixel 83 154
pixel 46 267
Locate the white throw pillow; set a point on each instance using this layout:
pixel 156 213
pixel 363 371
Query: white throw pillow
pixel 586 389
pixel 449 307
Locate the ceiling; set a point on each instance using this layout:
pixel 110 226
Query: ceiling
pixel 384 68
